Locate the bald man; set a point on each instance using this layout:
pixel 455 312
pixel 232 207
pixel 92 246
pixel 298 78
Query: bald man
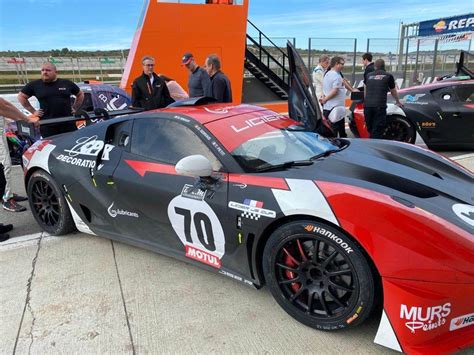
pixel 54 96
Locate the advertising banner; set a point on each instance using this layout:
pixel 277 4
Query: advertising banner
pixel 455 24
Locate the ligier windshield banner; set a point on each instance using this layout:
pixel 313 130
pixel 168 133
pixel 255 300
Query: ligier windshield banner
pixel 455 24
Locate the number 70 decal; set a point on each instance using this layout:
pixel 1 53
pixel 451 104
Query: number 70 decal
pixel 199 229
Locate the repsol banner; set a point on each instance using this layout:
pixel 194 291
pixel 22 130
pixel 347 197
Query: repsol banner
pixel 455 24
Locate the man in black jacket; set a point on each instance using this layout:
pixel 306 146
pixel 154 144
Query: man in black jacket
pixel 220 84
pixel 149 90
pixel 368 64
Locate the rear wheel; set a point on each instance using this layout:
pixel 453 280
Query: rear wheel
pixel 318 275
pixel 48 205
pixel 400 129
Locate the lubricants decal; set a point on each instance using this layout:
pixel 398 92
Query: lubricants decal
pixel 252 209
pixel 465 212
pixel 462 321
pixel 424 318
pixel 85 151
pixel 114 212
pixel 198 228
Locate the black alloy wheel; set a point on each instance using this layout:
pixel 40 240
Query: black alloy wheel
pixel 400 129
pixel 319 276
pixel 48 205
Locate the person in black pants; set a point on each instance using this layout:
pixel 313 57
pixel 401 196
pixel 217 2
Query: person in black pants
pixel 4 228
pixel 377 84
pixel 7 109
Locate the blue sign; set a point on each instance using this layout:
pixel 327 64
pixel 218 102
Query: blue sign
pixel 455 24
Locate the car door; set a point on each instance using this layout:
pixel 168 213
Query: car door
pixel 155 206
pixel 302 105
pixel 464 108
pixel 455 127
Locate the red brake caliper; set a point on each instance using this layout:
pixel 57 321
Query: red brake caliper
pixel 290 262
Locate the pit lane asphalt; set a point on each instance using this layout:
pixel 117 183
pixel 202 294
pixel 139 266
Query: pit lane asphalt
pixel 86 294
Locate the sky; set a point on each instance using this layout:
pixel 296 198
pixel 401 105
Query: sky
pixel 110 24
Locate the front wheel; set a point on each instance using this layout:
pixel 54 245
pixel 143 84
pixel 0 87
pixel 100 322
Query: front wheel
pixel 318 275
pixel 400 129
pixel 48 205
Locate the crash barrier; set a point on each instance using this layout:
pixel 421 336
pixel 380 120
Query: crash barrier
pixel 23 69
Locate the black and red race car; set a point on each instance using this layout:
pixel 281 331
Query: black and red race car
pixel 441 114
pixel 333 227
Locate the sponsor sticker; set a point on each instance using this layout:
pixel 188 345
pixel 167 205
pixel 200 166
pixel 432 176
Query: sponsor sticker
pixel 218 148
pixel 180 118
pixel 462 321
pixel 219 111
pixel 198 229
pixel 424 318
pixel 257 121
pixel 195 193
pixel 236 277
pixel 84 150
pixel 203 256
pixel 413 99
pixel 252 209
pixel 114 212
pixel 324 232
pixel 464 212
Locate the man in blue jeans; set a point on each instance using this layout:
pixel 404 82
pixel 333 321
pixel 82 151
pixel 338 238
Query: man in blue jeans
pixel 7 109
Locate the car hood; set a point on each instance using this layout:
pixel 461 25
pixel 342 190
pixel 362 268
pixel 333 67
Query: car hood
pixel 409 174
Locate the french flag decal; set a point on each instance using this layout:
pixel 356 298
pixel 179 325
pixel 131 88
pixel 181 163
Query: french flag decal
pixel 253 203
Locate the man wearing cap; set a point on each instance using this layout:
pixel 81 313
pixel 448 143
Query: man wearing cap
pixel 199 83
pixel 149 90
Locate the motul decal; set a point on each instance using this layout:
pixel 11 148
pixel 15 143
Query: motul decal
pixel 424 318
pixel 203 257
pixel 462 322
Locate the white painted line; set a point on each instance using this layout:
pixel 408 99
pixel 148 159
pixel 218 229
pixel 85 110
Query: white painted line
pixel 463 156
pixel 22 239
pixel 25 241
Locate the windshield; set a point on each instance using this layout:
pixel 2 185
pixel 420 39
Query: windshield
pixel 280 147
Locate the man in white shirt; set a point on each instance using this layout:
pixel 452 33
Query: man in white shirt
pixel 318 75
pixel 334 93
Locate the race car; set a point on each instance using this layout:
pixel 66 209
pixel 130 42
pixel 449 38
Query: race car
pixel 441 114
pixel 336 228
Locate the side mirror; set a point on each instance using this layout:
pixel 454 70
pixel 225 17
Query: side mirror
pixel 194 165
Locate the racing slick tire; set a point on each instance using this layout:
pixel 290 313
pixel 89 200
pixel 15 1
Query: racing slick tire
pixel 318 275
pixel 48 205
pixel 400 129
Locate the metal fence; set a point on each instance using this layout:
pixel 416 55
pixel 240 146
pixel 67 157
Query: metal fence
pixel 420 62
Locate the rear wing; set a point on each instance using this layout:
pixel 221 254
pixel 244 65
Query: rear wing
pixel 98 114
pixel 465 65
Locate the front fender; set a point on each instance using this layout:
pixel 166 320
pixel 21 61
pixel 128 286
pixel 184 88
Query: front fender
pixel 393 109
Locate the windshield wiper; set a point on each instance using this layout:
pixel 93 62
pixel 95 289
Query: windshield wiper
pixel 325 154
pixel 286 165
